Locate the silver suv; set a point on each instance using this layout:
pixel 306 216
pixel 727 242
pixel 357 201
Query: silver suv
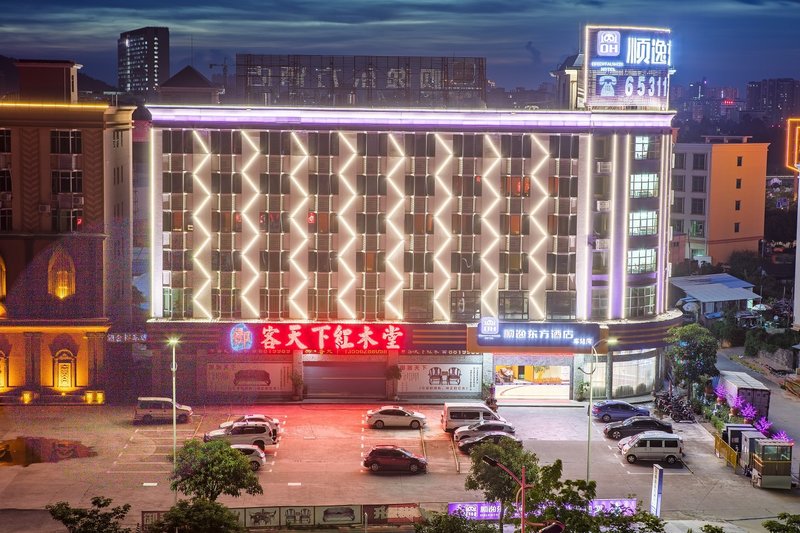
pixel 260 435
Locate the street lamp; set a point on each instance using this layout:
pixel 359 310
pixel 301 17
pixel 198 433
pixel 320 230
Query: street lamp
pixel 173 341
pixel 590 373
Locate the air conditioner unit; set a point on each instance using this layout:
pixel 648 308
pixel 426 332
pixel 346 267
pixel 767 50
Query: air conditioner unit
pixel 603 205
pixel 603 167
pixel 77 200
pixel 44 208
pixel 5 197
pixel 602 244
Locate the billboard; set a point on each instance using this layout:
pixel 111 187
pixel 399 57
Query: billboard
pixel 627 67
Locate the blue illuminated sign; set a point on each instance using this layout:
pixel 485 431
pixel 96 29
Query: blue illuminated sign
pixel 542 334
pixel 241 338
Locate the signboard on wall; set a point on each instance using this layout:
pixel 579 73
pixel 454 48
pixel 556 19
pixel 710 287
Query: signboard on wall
pixel 491 510
pixel 627 67
pixel 248 377
pixel 570 335
pixel 441 377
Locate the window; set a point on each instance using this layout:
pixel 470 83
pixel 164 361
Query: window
pixel 516 186
pixel 371 185
pixel 677 226
pixel 177 142
pixel 177 221
pixel 67 181
pixel 737 205
pixel 274 184
pixel 419 224
pixel 177 303
pixel 66 220
pixel 274 261
pixel 5 219
pixel 226 260
pixel 370 304
pixel 323 223
pixel 642 223
pixel 274 303
pixel 677 204
pixel 513 305
pixel 697 228
pixel 465 263
pixel 418 262
pixel 739 160
pixel 563 147
pixel 225 303
pixel 371 261
pixel 466 224
pixel 420 185
pixel 513 263
pixel 177 260
pixel 698 206
pixel 60 274
pixel 116 139
pixel 226 183
pixel 226 221
pixel 65 142
pixel 5 180
pixel 5 141
pixel 640 301
pixel 644 185
pixel 515 224
pixel 322 261
pixel 279 143
pixel 371 223
pixel 698 184
pixel 560 305
pixel 679 161
pixel 678 182
pixel 418 305
pixel 599 303
pixel 640 261
pixel 468 145
pixel 226 142
pixel 274 222
pixel 176 182
pixel 323 184
pixel 738 183
pixel 736 227
pixel 465 306
pixel 698 161
pixel 467 186
pixel 645 147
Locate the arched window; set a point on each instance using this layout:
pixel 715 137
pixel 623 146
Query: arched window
pixel 61 275
pixel 3 290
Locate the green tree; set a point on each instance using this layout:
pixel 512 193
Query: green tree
pixel 453 523
pixel 208 469
pixel 692 351
pixel 746 265
pixel 198 516
pixel 94 520
pixel 790 523
pixel 549 497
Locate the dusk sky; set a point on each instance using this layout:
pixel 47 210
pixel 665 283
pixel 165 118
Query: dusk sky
pixel 727 41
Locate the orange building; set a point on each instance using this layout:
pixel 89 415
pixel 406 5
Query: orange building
pixel 719 189
pixel 64 192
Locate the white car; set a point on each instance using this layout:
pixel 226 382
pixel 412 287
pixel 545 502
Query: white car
pixel 272 422
pixel 395 416
pixel 479 428
pixel 260 435
pixel 255 456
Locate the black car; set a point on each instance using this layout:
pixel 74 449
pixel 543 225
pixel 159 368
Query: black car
pixel 634 425
pixel 388 457
pixel 495 437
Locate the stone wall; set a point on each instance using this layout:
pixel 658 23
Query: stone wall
pixel 782 359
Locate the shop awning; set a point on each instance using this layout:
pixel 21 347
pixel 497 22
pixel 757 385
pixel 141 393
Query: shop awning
pixel 715 292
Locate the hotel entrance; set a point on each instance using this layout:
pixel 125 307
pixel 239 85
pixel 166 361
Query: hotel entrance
pixel 532 378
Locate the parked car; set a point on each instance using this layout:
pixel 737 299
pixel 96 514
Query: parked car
pixel 272 422
pixel 652 446
pixel 255 456
pixel 608 410
pixel 150 409
pixel 395 416
pixel 466 445
pixel 479 428
pixel 634 425
pixel 260 435
pixel 390 457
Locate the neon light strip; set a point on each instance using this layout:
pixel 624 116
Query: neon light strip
pixel 491 295
pixel 612 272
pixel 539 182
pixel 347 287
pixel 254 230
pixel 395 255
pixel 302 245
pixel 156 247
pixel 626 207
pixel 441 292
pixel 299 118
pixel 663 224
pixel 584 303
pixel 198 265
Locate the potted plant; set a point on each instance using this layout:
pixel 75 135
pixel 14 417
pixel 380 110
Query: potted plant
pixel 393 374
pixel 583 389
pixel 297 386
pixel 737 404
pixel 749 413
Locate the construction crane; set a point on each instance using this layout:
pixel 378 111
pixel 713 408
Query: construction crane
pixel 224 66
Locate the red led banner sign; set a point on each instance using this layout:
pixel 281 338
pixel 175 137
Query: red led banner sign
pixel 283 338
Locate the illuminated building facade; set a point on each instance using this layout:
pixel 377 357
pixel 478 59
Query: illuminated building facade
pixel 64 207
pixel 143 60
pixel 466 247
pixel 733 172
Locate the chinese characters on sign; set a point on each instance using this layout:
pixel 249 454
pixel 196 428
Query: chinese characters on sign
pixel 549 334
pixel 628 67
pixel 317 338
pixel 126 337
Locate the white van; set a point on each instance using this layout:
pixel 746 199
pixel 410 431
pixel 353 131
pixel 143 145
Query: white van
pixel 151 409
pixel 457 414
pixel 652 446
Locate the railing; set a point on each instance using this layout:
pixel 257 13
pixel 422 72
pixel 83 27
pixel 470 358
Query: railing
pixel 723 450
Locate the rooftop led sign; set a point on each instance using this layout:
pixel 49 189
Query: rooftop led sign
pixel 627 67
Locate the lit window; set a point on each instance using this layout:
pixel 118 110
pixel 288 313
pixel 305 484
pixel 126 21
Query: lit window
pixel 61 275
pixel 642 223
pixel 644 186
pixel 640 261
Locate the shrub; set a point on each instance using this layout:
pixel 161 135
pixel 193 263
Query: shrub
pixel 738 336
pixel 641 389
pixel 623 391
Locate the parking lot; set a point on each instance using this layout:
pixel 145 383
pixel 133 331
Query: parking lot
pixel 317 460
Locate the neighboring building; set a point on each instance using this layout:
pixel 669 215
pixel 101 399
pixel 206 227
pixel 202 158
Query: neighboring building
pixel 360 81
pixel 64 216
pixel 711 296
pixel 777 99
pixel 333 243
pixel 521 98
pixel 188 87
pixel 143 60
pixel 732 172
